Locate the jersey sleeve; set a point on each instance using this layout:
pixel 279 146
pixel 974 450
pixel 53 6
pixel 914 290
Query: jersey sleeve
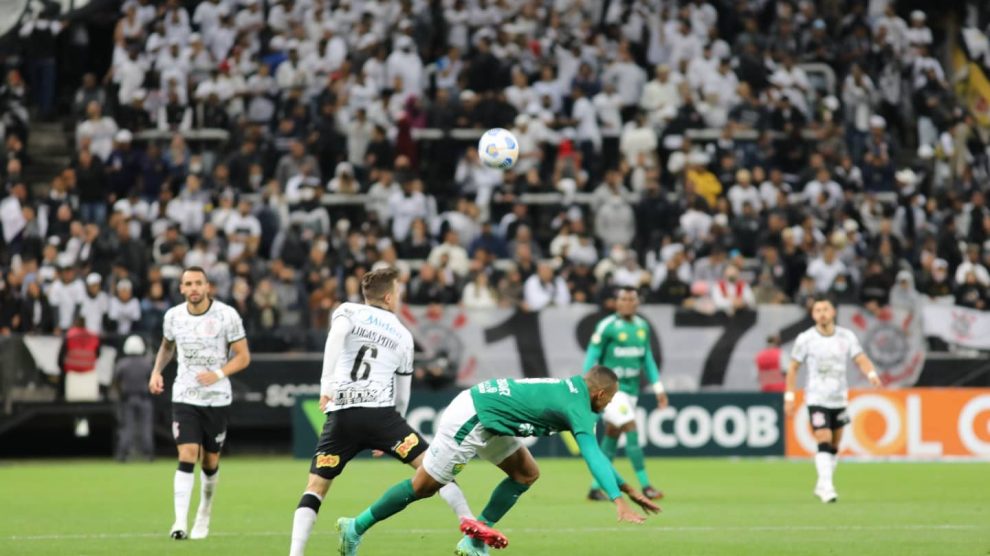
pixel 406 369
pixel 235 327
pixel 581 419
pixel 800 350
pixel 167 328
pixel 596 346
pixel 598 464
pixel 652 371
pixel 855 348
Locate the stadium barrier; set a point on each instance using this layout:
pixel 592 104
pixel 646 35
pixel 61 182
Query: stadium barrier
pixel 741 424
pixel 915 423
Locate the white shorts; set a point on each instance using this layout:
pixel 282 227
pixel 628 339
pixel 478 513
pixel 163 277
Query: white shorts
pixel 621 410
pixel 459 437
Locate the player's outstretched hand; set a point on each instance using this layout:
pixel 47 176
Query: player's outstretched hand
pixel 662 401
pixel 324 400
pixel 875 380
pixel 649 506
pixel 157 384
pixel 377 453
pixel 626 513
pixel 789 408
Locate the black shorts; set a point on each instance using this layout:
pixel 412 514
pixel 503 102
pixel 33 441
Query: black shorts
pixel 827 417
pixel 206 426
pixel 349 431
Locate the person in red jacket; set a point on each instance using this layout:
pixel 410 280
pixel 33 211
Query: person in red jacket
pixel 80 350
pixel 769 371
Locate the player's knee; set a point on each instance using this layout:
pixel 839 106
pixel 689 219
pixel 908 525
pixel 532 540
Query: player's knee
pixel 425 489
pixel 318 484
pixel 188 454
pixel 527 475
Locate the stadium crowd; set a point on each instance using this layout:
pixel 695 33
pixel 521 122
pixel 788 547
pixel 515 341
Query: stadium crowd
pixel 693 150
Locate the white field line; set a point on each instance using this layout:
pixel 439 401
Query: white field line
pixel 566 530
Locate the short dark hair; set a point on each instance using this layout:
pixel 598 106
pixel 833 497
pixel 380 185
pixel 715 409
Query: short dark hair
pixel 377 283
pixel 601 376
pixel 195 269
pixel 822 297
pixel 630 289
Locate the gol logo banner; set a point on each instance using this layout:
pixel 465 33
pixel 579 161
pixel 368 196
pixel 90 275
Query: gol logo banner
pixel 923 423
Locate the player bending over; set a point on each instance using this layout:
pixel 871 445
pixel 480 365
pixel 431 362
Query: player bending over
pixel 204 331
pixel 824 350
pixel 622 343
pixel 486 421
pixel 367 370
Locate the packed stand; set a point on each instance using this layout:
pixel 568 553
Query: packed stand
pixel 691 150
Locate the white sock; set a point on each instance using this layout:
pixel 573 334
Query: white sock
pixel 454 497
pixel 183 487
pixel 302 524
pixel 823 462
pixel 207 486
pixel 835 462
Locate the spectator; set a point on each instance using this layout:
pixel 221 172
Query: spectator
pixel 94 305
pixel 97 131
pixel 450 250
pixel 825 268
pixel 35 313
pixel 124 310
pixel 65 296
pixel 730 294
pixel 478 294
pixel 971 293
pixel 544 289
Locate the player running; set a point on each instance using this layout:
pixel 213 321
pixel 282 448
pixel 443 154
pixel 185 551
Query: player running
pixel 622 343
pixel 204 331
pixel 486 421
pixel 367 370
pixel 824 350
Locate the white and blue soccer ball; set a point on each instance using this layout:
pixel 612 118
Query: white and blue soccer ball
pixel 498 149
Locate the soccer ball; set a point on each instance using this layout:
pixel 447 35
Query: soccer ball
pixel 498 149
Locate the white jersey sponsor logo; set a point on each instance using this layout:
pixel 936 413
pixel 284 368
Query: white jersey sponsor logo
pixel 377 348
pixel 825 359
pixel 202 343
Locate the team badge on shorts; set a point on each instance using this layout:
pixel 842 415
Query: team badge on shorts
pixel 175 429
pixel 327 460
pixel 818 419
pixel 458 468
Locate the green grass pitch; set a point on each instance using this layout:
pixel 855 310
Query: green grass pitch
pixel 735 507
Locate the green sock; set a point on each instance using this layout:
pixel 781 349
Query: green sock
pixel 635 453
pixel 392 502
pixel 503 498
pixel 609 446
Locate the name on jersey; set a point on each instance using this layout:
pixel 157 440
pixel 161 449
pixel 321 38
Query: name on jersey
pixel 376 337
pixel 629 351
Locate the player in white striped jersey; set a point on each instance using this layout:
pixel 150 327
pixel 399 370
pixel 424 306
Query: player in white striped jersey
pixel 204 331
pixel 367 372
pixel 824 350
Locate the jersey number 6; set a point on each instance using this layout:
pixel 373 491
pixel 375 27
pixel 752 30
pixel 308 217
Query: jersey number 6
pixel 359 362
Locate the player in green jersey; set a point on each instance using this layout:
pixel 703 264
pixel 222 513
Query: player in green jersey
pixel 487 421
pixel 622 343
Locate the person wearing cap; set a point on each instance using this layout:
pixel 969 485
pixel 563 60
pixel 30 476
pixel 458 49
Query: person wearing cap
pixel 918 34
pixel 134 408
pixel 66 294
pixel 124 309
pixel 935 283
pixel 94 305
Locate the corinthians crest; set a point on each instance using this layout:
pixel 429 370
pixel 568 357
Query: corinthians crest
pixel 893 340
